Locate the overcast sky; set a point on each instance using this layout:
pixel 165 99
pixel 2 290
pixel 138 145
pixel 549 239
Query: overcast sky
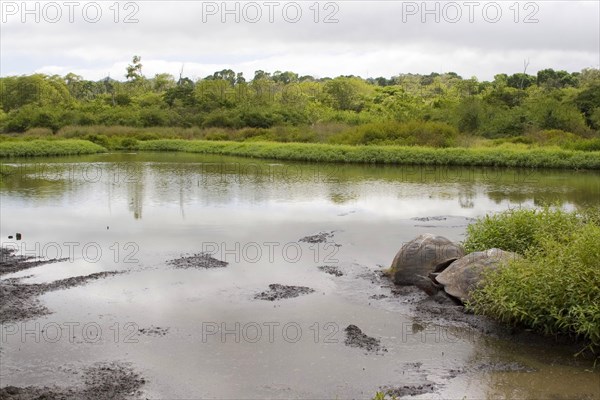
pixel 366 38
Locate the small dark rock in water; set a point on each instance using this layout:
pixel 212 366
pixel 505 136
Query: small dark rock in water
pixel 356 338
pixel 153 331
pixel 201 260
pixel 331 270
pixel 278 292
pixel 409 390
pixel 320 237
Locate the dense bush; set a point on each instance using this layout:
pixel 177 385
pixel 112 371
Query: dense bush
pixel 555 287
pixel 432 134
pixel 518 230
pixel 34 148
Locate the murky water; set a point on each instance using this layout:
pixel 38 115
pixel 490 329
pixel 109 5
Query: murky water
pixel 135 212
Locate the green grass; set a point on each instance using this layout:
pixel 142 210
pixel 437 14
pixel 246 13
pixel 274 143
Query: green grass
pixel 505 156
pixel 555 287
pixel 518 230
pixel 35 148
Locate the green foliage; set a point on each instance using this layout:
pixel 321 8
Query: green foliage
pixel 35 148
pixel 555 288
pixel 408 109
pixel 508 157
pixel 431 134
pixel 518 230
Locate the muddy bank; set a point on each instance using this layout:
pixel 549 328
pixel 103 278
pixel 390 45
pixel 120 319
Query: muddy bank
pixel 19 301
pixel 10 262
pixel 356 338
pixel 200 260
pixel 440 309
pixel 104 381
pixel 278 292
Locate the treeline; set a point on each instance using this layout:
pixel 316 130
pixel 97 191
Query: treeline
pixel 552 105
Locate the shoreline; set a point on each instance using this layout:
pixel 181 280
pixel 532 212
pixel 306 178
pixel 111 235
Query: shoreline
pixel 509 157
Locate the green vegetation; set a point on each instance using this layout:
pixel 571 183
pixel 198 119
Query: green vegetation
pixel 555 287
pixel 509 156
pixel 34 148
pixel 551 109
pixel 518 230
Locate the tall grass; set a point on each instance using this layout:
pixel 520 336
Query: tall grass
pixel 35 148
pixel 506 156
pixel 555 287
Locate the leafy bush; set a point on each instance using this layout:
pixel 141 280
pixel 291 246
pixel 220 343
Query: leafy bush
pixel 129 143
pixel 432 134
pixel 554 289
pixel 518 230
pixel 35 148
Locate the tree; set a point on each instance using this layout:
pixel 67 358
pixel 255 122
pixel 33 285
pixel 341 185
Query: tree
pixel 346 93
pixel 588 102
pixel 134 70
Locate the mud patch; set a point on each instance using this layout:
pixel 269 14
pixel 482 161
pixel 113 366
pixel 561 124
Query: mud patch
pixel 102 381
pixel 154 331
pixel 200 260
pixel 409 390
pixel 278 292
pixel 320 237
pixel 439 309
pixel 10 262
pixel 427 219
pixel 356 338
pixel 18 301
pixel 331 270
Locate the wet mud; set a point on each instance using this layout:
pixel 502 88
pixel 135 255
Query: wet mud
pixel 331 270
pixel 19 301
pixel 356 338
pixel 10 262
pixel 104 381
pixel 279 292
pixel 321 237
pixel 200 260
pixel 154 331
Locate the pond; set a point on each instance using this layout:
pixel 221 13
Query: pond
pixel 201 333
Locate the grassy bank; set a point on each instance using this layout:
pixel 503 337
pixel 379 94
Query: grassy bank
pixel 507 155
pixel 555 288
pixel 504 156
pixel 34 148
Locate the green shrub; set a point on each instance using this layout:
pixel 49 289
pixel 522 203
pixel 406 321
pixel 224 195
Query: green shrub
pixel 414 133
pixel 554 289
pixel 100 140
pixel 129 143
pixel 518 230
pixel 33 148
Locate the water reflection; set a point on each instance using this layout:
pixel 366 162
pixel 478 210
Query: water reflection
pixel 147 181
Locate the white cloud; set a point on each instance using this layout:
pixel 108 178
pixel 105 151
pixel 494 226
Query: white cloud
pixel 371 38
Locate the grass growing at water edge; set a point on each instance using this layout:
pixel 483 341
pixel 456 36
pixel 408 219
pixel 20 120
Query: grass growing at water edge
pixel 500 157
pixel 555 287
pixel 35 148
